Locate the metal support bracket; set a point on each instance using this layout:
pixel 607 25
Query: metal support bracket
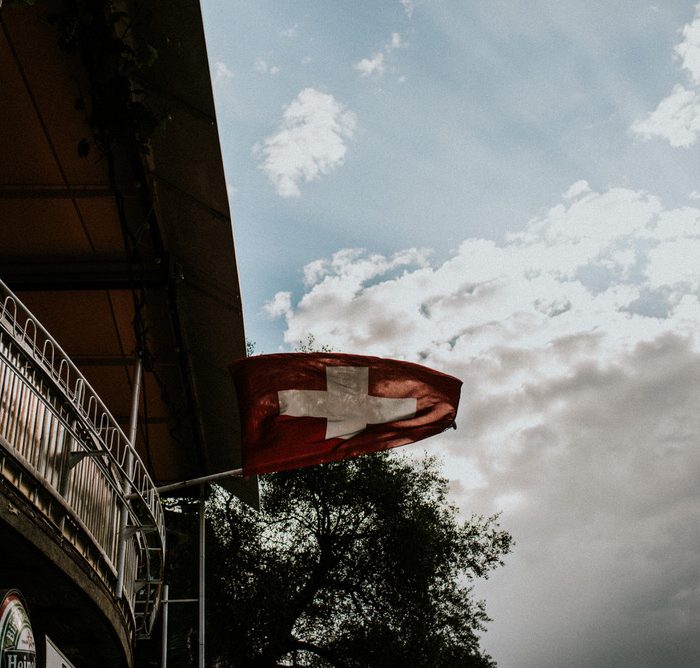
pixel 132 529
pixel 140 584
pixel 74 458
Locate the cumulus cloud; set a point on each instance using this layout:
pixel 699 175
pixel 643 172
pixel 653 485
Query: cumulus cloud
pixel 376 66
pixel 309 143
pixel 368 67
pixel 263 67
pixel 279 305
pixel 677 117
pixel 395 43
pixel 689 49
pixel 594 251
pixel 577 189
pixel 577 341
pixel 221 72
pixel 291 32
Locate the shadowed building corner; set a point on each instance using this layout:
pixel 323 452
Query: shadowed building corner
pixel 119 311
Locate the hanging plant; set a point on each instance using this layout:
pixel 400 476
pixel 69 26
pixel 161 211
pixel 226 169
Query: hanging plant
pixel 116 110
pixel 102 36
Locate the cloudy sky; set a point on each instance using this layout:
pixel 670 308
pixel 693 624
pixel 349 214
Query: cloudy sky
pixel 508 192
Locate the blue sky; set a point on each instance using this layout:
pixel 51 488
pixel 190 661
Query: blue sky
pixel 503 106
pixel 523 179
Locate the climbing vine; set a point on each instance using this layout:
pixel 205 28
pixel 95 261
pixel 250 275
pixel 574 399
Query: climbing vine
pixel 114 57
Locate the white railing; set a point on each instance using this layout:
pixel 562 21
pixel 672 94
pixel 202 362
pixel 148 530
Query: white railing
pixel 54 425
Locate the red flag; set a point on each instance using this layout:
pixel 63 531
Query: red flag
pixel 299 409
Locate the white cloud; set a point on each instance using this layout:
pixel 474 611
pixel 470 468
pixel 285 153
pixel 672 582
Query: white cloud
pixel 581 262
pixel 279 305
pixel 409 7
pixel 578 343
pixel 376 65
pixel 263 67
pixel 577 189
pixel 689 48
pixel 373 66
pixel 677 117
pixel 395 43
pixel 290 33
pixel 310 141
pixel 314 271
pixel 221 72
pixel 675 262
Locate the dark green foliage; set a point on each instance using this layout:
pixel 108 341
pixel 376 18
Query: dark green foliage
pixel 359 563
pixel 311 346
pixel 104 38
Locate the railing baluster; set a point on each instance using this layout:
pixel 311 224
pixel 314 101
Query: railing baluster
pixel 12 411
pixel 3 400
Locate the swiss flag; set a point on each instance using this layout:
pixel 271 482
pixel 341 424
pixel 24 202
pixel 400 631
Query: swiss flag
pixel 299 409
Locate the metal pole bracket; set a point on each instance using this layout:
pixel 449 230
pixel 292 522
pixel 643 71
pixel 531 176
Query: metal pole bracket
pixel 74 458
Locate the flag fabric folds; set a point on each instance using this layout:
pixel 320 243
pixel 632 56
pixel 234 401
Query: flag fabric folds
pixel 300 409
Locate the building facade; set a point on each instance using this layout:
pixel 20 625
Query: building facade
pixel 119 311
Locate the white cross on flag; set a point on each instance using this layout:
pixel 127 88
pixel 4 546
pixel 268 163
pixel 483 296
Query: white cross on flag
pixel 299 409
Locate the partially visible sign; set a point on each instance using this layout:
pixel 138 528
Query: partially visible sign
pixel 54 656
pixel 17 647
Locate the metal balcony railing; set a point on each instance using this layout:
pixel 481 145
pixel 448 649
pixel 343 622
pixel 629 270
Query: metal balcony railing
pixel 61 448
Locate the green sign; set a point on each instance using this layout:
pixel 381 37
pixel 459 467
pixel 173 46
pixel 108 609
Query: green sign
pixel 17 647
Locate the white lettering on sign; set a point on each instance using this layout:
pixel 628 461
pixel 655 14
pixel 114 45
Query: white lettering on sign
pixel 21 660
pixel 346 403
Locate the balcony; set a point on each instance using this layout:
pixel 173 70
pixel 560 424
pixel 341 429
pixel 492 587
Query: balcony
pixel 134 255
pixel 66 461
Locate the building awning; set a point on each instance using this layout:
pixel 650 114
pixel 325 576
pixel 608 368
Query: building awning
pixel 150 250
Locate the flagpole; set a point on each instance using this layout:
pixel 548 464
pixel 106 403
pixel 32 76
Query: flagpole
pixel 130 449
pixel 164 638
pixel 171 487
pixel 202 571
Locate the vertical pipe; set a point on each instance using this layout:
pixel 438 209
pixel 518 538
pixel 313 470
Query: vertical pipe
pixel 164 644
pixel 202 563
pixel 131 447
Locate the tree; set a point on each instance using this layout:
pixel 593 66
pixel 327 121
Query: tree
pixel 362 562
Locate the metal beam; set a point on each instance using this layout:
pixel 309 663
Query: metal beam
pixel 83 361
pixel 59 192
pixel 83 276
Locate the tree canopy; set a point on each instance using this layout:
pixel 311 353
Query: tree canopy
pixel 362 562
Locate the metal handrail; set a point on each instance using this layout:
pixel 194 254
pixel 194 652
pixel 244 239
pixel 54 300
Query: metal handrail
pixel 58 427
